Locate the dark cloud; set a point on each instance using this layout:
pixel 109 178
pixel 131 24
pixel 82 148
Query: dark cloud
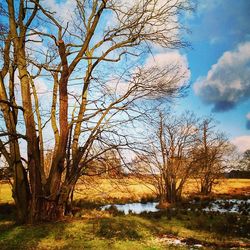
pixel 222 106
pixel 228 81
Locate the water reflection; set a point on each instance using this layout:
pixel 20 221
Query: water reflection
pixel 136 208
pixel 219 205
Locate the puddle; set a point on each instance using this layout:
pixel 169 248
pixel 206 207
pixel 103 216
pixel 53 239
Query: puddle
pixel 228 206
pixel 136 208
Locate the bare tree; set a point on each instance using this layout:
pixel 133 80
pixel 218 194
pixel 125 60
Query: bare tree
pixel 211 152
pixel 244 162
pixel 82 49
pixel 169 159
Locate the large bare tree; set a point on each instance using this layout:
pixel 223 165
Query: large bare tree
pixel 90 84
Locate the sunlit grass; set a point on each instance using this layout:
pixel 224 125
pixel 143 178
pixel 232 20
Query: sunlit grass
pixel 119 232
pixel 5 193
pixel 111 190
pixel 78 234
pixel 129 189
pixel 103 190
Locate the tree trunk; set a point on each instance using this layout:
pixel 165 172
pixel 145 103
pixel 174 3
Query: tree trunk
pixel 171 193
pixel 52 209
pixel 206 188
pixel 21 193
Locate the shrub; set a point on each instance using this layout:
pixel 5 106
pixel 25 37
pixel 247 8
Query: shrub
pixel 119 229
pixel 114 211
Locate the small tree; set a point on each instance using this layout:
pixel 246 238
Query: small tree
pixel 210 154
pixel 244 163
pixel 169 158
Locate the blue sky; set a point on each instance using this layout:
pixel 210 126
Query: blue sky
pixel 219 61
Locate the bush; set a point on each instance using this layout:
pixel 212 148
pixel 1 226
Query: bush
pixel 82 203
pixel 114 211
pixel 148 198
pixel 199 222
pixel 119 229
pixel 221 224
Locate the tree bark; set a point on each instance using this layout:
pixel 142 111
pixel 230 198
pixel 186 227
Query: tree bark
pixel 32 140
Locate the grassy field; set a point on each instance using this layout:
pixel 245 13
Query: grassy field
pixel 129 189
pixel 106 231
pixel 95 229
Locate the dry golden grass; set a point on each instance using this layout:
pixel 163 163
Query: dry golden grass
pixel 233 187
pixel 130 189
pixel 5 193
pixel 104 190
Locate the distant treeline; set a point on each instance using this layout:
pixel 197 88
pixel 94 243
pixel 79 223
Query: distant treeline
pixel 238 174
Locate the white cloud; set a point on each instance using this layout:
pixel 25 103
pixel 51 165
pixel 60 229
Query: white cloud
pixel 158 20
pixel 242 142
pixel 172 60
pixel 248 116
pixel 228 81
pixel 63 9
pixel 166 59
pixel 40 85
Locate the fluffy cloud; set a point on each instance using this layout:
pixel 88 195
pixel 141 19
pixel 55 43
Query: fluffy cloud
pixel 242 142
pixel 63 9
pixel 168 59
pixel 176 62
pixel 228 81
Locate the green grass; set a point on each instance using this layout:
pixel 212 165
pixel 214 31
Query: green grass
pixel 114 232
pixel 77 234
